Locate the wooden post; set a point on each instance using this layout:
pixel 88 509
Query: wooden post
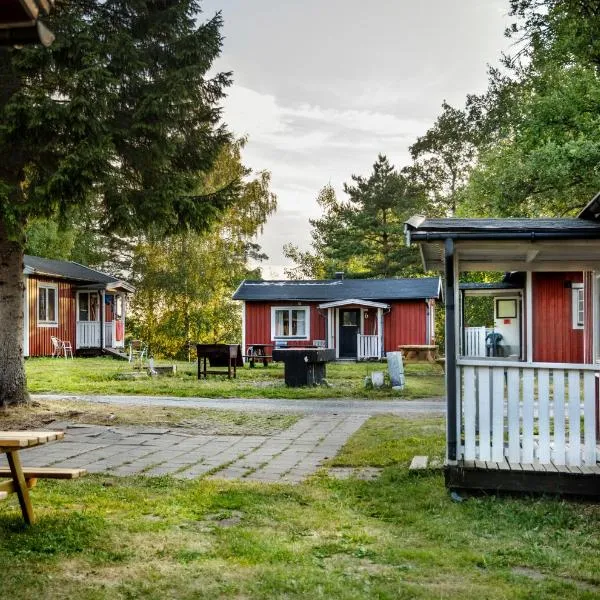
pixel 529 316
pixel 451 284
pixel 16 470
pixel 380 331
pixel 102 309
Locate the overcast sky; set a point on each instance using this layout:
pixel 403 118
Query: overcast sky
pixel 322 86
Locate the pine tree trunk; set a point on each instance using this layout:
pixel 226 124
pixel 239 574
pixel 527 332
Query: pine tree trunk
pixel 13 387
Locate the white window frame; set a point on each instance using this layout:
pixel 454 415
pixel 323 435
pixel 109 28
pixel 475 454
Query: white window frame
pixel 42 289
pixel 577 305
pixel 306 335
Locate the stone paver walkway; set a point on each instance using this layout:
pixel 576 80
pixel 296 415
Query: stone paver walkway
pixel 288 456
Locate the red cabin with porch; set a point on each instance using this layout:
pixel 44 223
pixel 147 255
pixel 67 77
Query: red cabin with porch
pixel 72 302
pixel 359 318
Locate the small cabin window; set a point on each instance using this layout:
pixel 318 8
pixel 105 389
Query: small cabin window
pixel 578 305
pixel 48 305
pixel 290 322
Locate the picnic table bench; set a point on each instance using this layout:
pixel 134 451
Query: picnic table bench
pixel 259 353
pixel 22 479
pixel 219 355
pixel 419 351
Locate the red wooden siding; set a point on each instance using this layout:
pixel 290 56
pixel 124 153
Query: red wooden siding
pixel 554 339
pixel 258 323
pixel 39 337
pixel 405 323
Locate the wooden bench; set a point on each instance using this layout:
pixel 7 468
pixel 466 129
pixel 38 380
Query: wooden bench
pixel 32 474
pixel 254 358
pixel 46 473
pixel 20 480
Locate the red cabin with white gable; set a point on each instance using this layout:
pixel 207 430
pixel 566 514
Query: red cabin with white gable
pixel 359 318
pixel 69 301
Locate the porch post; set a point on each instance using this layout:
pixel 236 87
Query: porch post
pixel 380 331
pixel 451 285
pixel 529 314
pixel 102 309
pixel 330 340
pixel 243 332
pixel 336 328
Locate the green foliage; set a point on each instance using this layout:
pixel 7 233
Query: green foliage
pixel 443 158
pixel 184 282
pixel 538 123
pixel 118 109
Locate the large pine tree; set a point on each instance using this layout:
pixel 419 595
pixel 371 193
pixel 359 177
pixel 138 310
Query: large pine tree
pixel 119 112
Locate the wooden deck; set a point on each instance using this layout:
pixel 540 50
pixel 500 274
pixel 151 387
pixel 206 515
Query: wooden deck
pixel 504 476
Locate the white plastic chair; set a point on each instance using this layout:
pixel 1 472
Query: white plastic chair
pixel 61 347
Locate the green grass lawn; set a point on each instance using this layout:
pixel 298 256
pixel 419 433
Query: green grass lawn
pixel 102 376
pixel 397 537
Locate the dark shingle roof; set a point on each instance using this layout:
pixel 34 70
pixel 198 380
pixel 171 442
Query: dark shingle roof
pixel 327 290
pixel 562 226
pixel 65 269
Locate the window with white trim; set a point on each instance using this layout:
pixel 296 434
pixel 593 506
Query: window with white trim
pixel 290 322
pixel 578 305
pixel 47 304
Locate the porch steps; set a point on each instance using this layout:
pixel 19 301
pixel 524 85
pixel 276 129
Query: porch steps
pixel 419 463
pixel 116 353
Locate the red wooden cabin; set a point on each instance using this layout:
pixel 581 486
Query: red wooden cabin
pixel 72 302
pixel 527 419
pixel 359 318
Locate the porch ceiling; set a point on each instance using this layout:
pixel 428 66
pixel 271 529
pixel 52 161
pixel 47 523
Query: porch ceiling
pixel 513 255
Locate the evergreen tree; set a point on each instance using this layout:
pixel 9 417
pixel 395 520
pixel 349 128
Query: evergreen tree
pixel 363 236
pixel 118 112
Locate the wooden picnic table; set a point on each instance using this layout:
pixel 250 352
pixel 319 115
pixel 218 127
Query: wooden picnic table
pixel 419 351
pixel 219 355
pixel 260 353
pixel 23 478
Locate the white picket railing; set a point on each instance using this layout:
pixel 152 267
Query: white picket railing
pixel 475 341
pixel 527 412
pixel 88 334
pixel 368 346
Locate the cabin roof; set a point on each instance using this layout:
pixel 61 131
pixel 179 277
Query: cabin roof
pixel 544 244
pixel 339 289
pixel 65 269
pixel 422 228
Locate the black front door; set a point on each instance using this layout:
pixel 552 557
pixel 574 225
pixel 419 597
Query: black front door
pixel 349 328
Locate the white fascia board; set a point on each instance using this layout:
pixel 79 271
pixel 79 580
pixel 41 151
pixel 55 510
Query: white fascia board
pixel 339 303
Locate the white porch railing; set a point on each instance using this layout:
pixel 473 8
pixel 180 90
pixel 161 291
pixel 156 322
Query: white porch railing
pixel 475 341
pixel 88 334
pixel 368 346
pixel 527 412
